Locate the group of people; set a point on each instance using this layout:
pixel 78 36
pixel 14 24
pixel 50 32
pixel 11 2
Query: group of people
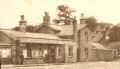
pixel 47 58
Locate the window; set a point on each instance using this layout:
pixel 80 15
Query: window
pixel 86 52
pixel 59 52
pixel 25 53
pixel 35 53
pixel 70 50
pixel 86 36
pixel 5 52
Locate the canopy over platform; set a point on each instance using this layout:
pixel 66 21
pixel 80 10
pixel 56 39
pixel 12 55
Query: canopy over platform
pixel 47 41
pixel 36 37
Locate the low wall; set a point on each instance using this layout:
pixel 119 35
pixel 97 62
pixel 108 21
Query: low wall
pixel 34 61
pixel 101 55
pixel 6 61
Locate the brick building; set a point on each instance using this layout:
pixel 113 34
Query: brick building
pixel 80 33
pixel 63 43
pixel 34 46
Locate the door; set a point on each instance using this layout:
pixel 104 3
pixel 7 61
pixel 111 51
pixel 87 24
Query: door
pixel 52 54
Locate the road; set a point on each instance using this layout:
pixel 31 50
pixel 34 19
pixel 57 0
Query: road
pixel 83 65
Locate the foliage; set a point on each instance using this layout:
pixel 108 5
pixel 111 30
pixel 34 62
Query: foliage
pixel 29 28
pixel 91 23
pixel 103 24
pixel 15 28
pixel 114 34
pixel 65 14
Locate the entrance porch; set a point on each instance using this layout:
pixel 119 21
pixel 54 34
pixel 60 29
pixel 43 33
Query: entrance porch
pixel 43 53
pixel 35 51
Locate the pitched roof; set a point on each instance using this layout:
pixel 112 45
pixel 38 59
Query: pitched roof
pixel 57 27
pixel 97 46
pixel 17 34
pixel 64 29
pixel 68 29
pixel 4 44
pixel 35 37
pixel 54 27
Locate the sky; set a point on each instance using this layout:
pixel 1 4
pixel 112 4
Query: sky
pixel 10 10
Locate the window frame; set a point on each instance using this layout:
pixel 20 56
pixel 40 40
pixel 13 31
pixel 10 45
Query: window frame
pixel 70 51
pixel 60 52
pixel 7 50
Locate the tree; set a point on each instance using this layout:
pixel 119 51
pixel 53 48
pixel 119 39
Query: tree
pixel 64 15
pixel 15 28
pixel 91 23
pixel 114 34
pixel 29 28
pixel 103 25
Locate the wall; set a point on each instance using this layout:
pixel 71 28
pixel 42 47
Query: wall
pixel 5 54
pixel 83 39
pixel 69 59
pixel 5 39
pixel 101 55
pixel 93 54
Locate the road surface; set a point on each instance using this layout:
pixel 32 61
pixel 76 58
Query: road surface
pixel 82 65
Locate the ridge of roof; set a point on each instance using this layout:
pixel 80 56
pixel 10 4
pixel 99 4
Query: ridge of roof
pixel 63 29
pixel 54 27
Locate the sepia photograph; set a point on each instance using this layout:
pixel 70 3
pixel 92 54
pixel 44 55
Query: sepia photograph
pixel 59 34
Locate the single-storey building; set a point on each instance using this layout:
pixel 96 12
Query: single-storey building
pixel 97 52
pixel 116 47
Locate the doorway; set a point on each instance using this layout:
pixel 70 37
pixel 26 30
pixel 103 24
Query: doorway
pixel 52 54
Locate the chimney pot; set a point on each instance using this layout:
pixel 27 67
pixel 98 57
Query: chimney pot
pixel 82 19
pixel 22 17
pixel 46 18
pixel 22 24
pixel 82 15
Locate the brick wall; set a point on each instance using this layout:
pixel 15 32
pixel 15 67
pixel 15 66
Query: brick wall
pixel 68 58
pixel 101 55
pixel 82 42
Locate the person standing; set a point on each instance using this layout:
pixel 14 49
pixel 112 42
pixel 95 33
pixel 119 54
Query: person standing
pixel 22 59
pixel 46 59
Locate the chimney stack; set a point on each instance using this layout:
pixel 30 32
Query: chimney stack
pixel 46 18
pixel 82 19
pixel 75 29
pixel 22 24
